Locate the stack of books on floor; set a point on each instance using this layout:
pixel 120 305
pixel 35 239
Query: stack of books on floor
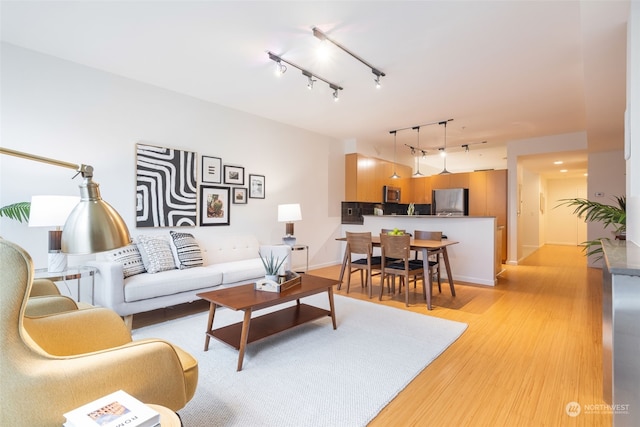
pixel 115 409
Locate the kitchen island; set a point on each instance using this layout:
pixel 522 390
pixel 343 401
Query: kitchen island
pixel 473 260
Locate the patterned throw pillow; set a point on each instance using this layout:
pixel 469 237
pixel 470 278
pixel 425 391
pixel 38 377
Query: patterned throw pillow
pixel 186 250
pixel 130 258
pixel 156 253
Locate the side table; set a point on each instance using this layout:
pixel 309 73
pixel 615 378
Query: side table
pixel 168 418
pixel 305 248
pixel 71 273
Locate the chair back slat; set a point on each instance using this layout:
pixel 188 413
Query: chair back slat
pixel 427 235
pixel 395 246
pixel 359 243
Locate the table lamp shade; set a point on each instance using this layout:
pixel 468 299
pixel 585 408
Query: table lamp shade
pixel 51 211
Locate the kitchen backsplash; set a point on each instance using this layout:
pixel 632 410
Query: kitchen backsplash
pixel 352 212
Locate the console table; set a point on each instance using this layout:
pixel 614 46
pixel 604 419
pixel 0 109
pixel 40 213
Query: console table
pixel 71 273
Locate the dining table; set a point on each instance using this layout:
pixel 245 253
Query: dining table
pixel 422 246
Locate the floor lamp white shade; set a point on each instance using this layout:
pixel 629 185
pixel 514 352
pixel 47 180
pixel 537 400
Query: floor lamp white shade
pixel 53 211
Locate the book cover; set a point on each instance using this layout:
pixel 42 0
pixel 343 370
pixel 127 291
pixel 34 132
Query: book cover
pixel 115 409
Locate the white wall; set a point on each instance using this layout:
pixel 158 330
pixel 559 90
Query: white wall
pixel 607 175
pixel 61 110
pixel 529 227
pixel 562 225
pixel 632 125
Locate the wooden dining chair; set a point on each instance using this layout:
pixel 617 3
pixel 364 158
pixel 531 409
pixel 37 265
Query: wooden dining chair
pixel 398 248
pixel 360 244
pixel 434 255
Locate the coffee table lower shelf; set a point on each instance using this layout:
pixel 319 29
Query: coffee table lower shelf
pixel 269 324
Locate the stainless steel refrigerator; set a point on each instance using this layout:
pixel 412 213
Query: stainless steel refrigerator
pixel 450 202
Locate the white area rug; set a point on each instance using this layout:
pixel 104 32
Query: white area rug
pixel 311 375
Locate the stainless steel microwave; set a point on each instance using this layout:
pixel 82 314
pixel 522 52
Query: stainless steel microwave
pixel 391 194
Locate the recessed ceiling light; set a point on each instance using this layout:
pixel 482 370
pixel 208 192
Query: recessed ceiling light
pixel 558 162
pixel 563 170
pixel 586 174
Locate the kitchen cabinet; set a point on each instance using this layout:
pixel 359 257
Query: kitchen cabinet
pixel 365 177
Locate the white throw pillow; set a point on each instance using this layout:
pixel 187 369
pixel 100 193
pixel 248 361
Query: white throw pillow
pixel 186 250
pixel 130 258
pixel 156 253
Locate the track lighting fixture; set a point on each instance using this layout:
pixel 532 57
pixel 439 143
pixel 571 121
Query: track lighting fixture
pixel 335 88
pixel 444 150
pixel 417 128
pixel 466 148
pixel 323 37
pixel 395 175
pixel 311 78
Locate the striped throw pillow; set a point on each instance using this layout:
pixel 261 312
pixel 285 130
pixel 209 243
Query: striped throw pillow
pixel 186 250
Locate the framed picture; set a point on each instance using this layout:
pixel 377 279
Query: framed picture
pixel 256 186
pixel 212 170
pixel 166 187
pixel 239 195
pixel 214 205
pixel 233 175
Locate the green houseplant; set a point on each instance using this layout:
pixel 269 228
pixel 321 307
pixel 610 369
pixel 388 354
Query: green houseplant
pixel 609 215
pixel 18 211
pixel 272 264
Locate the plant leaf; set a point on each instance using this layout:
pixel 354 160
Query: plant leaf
pixel 18 211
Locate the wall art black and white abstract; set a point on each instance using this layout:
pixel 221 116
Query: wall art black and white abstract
pixel 166 188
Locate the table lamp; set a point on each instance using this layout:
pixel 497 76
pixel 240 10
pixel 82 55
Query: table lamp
pixel 53 211
pixel 288 214
pixel 93 225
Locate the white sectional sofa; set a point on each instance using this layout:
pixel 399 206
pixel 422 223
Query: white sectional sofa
pixel 225 262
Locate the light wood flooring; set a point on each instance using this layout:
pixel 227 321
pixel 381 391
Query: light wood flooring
pixel 533 345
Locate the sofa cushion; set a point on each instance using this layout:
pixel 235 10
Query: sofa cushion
pixel 130 259
pixel 186 250
pixel 156 253
pixel 145 286
pixel 239 271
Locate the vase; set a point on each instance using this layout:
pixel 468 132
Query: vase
pixel 271 277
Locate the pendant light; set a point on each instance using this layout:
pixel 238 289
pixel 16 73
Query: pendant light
pixel 418 157
pixel 444 151
pixel 395 175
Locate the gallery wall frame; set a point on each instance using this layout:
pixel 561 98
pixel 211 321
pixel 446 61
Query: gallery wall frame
pixel 256 186
pixel 166 187
pixel 233 175
pixel 239 196
pixel 214 205
pixel 211 170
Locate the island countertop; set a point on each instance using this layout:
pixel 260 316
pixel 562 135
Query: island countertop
pixel 473 260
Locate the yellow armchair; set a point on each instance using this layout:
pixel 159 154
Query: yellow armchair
pixel 52 364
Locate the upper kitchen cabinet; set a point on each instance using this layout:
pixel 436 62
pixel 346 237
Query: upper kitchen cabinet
pixel 366 176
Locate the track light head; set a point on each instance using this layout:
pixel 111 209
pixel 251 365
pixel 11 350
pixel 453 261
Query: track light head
pixel 443 152
pixel 466 148
pixel 310 79
pixel 378 74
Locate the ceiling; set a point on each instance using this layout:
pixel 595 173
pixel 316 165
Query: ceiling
pixel 502 70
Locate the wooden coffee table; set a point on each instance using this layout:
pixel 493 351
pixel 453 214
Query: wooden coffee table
pixel 247 299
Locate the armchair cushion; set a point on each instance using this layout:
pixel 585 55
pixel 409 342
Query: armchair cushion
pixel 44 305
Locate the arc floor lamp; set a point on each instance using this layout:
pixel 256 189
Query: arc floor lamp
pixel 93 225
